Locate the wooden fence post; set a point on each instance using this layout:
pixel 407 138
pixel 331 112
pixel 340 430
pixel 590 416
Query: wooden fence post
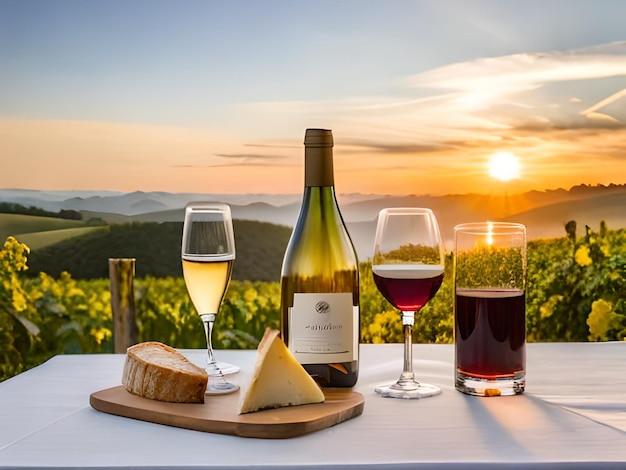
pixel 121 277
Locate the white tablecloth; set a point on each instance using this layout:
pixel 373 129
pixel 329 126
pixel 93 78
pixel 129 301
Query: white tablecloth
pixel 573 412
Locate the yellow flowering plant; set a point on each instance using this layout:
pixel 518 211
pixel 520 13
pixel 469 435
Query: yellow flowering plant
pixel 580 297
pixel 18 328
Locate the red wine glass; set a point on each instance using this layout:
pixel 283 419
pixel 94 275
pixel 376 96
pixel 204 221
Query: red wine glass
pixel 408 266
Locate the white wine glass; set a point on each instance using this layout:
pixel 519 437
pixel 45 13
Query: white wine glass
pixel 208 255
pixel 408 266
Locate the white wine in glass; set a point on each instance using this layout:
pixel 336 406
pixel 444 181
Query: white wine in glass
pixel 408 268
pixel 208 255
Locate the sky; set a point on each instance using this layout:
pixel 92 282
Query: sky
pixel 215 96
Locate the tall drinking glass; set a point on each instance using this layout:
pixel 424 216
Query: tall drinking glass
pixel 208 254
pixel 489 308
pixel 408 270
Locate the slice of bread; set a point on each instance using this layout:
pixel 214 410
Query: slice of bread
pixel 157 371
pixel 278 379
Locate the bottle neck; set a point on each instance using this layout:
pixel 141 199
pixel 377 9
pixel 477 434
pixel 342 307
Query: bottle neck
pixel 318 166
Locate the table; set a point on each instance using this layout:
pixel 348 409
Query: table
pixel 573 414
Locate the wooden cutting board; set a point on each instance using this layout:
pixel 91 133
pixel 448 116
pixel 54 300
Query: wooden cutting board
pixel 219 413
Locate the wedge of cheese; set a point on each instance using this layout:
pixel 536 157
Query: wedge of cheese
pixel 278 379
pixel 157 371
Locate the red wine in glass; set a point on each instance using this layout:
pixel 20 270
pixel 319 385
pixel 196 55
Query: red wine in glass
pixel 408 287
pixel 490 333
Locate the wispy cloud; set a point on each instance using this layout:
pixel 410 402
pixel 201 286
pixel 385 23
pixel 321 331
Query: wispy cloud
pixel 239 160
pixel 520 72
pixel 510 102
pixel 274 145
pixel 521 90
pixel 253 160
pixel 597 110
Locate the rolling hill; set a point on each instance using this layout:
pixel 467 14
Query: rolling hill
pixel 549 221
pixel 14 224
pixel 39 232
pixel 39 240
pixel 156 248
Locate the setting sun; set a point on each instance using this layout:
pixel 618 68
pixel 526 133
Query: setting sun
pixel 504 166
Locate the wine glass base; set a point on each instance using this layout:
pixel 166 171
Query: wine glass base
pixel 222 368
pixel 420 390
pixel 220 387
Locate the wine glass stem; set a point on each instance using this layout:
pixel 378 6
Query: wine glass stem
pixel 407 375
pixel 208 319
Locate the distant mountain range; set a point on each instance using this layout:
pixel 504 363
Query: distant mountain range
pixel 545 213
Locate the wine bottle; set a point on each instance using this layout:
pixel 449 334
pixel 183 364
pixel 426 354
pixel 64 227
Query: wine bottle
pixel 320 317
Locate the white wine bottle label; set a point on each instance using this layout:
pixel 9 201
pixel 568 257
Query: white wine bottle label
pixel 323 328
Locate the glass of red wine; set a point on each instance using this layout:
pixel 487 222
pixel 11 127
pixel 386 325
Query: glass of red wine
pixel 408 267
pixel 489 308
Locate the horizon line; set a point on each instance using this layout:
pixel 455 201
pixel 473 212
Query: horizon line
pixel 578 186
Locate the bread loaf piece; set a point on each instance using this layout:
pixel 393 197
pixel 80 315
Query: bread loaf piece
pixel 278 379
pixel 157 371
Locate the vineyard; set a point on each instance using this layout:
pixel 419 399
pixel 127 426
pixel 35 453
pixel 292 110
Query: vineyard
pixel 576 291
